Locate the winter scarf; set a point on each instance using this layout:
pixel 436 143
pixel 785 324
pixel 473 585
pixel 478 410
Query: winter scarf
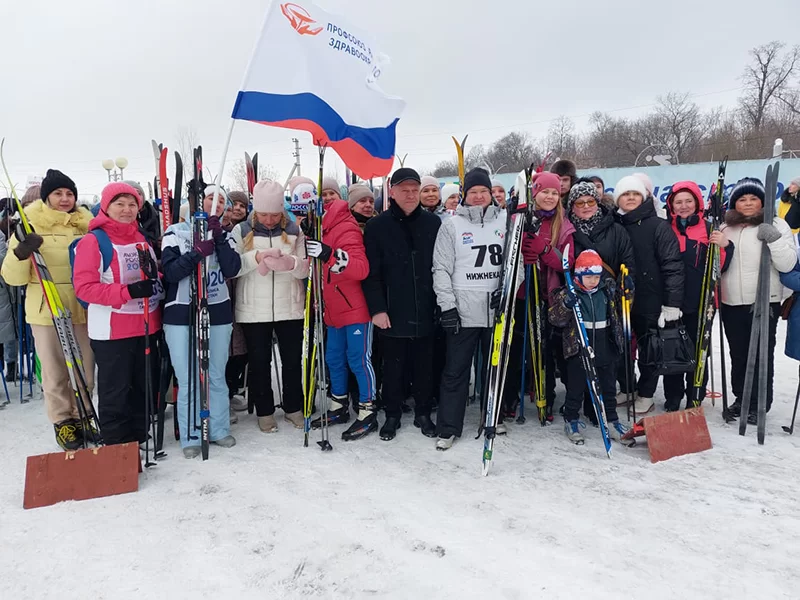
pixel 734 217
pixel 586 226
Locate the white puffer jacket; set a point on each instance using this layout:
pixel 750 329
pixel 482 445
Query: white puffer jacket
pixel 740 281
pixel 274 296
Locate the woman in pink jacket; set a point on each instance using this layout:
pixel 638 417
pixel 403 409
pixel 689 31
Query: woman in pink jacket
pixel 108 277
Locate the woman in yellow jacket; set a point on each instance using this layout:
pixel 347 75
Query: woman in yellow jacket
pixel 56 220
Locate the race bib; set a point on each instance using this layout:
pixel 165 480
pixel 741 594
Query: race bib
pixel 479 253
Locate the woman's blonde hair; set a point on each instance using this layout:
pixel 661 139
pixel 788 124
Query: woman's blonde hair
pixel 248 239
pixel 556 223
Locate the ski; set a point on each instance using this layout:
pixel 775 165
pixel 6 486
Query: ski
pixel 177 192
pixel 62 322
pixel 758 348
pixel 709 291
pixel 626 300
pixel 587 358
pixel 460 158
pixel 503 328
pixel 203 319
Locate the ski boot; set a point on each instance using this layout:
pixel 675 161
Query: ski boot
pixel 573 431
pixel 445 443
pixel 67 435
pixel 90 433
pixel 616 430
pixel 338 412
pixel 366 423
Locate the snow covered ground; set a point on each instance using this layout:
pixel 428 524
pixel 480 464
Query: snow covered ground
pixel 271 519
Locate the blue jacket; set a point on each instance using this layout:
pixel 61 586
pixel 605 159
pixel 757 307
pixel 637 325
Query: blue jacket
pixel 179 260
pixel 792 281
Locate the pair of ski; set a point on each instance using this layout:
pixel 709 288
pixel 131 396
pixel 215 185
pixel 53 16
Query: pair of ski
pixel 62 322
pixel 758 349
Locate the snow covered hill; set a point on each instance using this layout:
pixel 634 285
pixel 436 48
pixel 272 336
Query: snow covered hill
pixel 269 519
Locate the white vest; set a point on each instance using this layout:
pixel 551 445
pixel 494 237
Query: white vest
pixel 479 253
pixel 130 272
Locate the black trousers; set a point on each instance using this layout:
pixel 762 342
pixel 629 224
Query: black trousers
pixel 121 392
pixel 259 351
pixel 234 373
pixel 577 388
pixel 737 321
pixel 676 387
pixel 440 345
pixel 454 388
pixel 402 356
pixel 648 380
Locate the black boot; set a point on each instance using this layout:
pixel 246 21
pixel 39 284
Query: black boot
pixel 425 424
pixel 735 409
pixel 90 433
pixel 336 415
pixel 389 429
pixel 11 372
pixel 67 435
pixel 752 418
pixel 366 423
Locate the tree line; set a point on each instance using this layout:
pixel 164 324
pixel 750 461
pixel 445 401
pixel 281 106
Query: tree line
pixel 767 108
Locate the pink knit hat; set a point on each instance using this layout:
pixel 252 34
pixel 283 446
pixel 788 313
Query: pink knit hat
pixel 428 180
pixel 545 180
pixel 297 180
pixel 268 197
pixel 112 190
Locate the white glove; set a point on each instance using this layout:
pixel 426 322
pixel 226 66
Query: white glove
pixel 669 314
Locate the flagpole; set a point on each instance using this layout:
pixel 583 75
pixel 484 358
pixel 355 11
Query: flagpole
pixel 233 121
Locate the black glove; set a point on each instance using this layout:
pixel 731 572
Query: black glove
pixel 142 289
pixel 451 322
pixel 305 227
pixel 494 299
pixel 628 286
pixel 28 246
pixel 215 227
pixel 316 249
pixel 570 299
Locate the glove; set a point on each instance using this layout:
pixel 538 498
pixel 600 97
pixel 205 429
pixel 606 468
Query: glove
pixel 767 232
pixel 533 247
pixel 142 289
pixel 305 227
pixel 28 246
pixel 494 299
pixel 263 268
pixel 451 322
pixel 628 284
pixel 669 314
pixel 215 227
pixel 570 299
pixel 204 247
pixel 269 252
pixel 280 264
pixel 318 250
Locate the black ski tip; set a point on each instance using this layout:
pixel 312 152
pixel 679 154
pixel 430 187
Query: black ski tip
pixel 788 430
pixel 325 446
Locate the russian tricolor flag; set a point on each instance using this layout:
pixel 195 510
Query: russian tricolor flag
pixel 313 71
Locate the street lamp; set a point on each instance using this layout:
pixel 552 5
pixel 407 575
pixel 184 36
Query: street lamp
pixel 121 163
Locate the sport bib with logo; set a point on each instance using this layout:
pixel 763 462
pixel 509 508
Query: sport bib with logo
pixel 479 254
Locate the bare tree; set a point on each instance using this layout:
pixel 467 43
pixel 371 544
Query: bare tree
pixel 561 138
pixel 767 78
pixel 680 125
pixel 186 143
pixel 236 175
pixel 512 153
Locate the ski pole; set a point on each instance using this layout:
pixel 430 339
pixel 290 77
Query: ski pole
pixel 521 418
pixel 148 395
pixel 790 428
pixel 277 368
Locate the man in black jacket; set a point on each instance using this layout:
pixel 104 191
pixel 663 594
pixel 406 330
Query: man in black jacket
pixel 659 273
pixel 399 293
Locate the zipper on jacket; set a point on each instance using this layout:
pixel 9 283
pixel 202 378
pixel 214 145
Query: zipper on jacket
pixel 341 293
pixel 273 286
pixel 416 295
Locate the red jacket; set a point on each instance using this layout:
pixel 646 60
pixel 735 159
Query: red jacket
pixel 345 269
pixel 550 265
pixel 112 314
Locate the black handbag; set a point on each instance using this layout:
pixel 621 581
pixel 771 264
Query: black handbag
pixel 668 351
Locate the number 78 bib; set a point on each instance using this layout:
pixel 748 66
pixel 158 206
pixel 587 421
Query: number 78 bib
pixel 479 253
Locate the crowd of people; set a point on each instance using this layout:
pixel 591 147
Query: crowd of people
pixel 410 297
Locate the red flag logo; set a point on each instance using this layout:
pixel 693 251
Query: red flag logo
pixel 300 19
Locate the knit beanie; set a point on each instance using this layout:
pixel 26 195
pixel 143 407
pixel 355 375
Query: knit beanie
pixel 268 197
pixel 748 185
pixel 588 262
pixel 115 189
pixel 356 192
pixel 584 188
pixel 329 183
pixel 543 181
pixel 211 189
pixel 476 177
pixel 496 183
pixel 135 185
pixel 630 183
pixel 303 194
pixel 239 197
pixel 297 180
pixel 428 180
pixel 564 167
pixel 55 180
pixel 448 190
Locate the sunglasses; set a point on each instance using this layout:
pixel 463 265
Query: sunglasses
pixel 585 203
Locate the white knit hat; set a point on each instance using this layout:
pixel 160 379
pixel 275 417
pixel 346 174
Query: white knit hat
pixel 648 183
pixel 428 180
pixel 268 197
pixel 631 183
pixel 448 190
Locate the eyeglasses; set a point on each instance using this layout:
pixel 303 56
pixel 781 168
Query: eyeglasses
pixel 591 202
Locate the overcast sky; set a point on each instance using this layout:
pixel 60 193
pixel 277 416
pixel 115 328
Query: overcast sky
pixel 85 80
